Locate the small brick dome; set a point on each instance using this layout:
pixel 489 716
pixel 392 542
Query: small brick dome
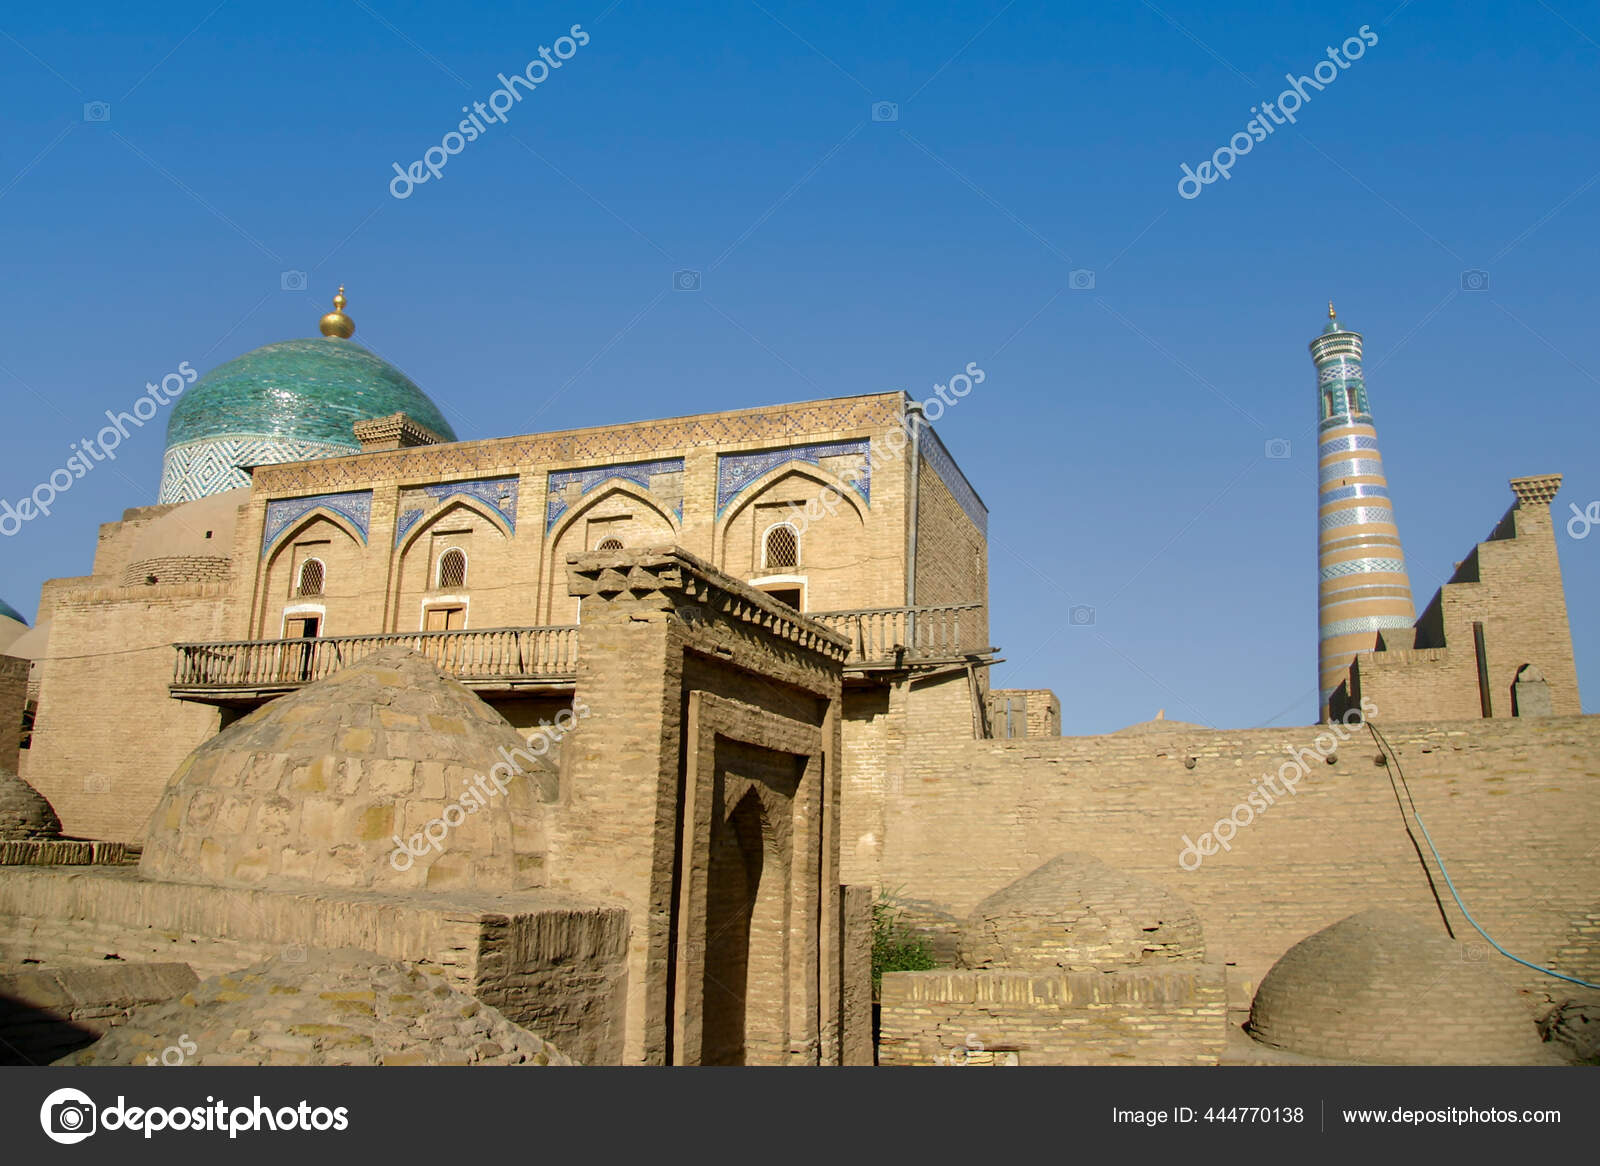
pixel 315 787
pixel 25 815
pixel 1077 913
pixel 1386 988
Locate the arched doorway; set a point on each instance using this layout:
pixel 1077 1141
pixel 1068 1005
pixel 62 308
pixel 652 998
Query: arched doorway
pixel 733 888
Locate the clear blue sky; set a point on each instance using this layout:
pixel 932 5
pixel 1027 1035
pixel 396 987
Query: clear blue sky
pixel 1120 437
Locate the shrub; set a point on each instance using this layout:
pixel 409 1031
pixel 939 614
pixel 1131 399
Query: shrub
pixel 895 947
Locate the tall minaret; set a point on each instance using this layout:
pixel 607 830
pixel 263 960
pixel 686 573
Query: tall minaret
pixel 1362 582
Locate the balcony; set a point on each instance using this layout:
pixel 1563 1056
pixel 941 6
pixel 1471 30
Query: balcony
pixel 490 661
pixel 510 661
pixel 889 638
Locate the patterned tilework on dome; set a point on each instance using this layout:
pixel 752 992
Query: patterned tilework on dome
pixel 356 507
pixel 1363 586
pixel 287 401
pixel 203 468
pixel 950 474
pixel 639 473
pixel 499 494
pixel 735 471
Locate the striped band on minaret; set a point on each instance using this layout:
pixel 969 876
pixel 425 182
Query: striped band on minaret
pixel 1363 587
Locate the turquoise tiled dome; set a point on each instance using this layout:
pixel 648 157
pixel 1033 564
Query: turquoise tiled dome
pixel 290 401
pixel 9 612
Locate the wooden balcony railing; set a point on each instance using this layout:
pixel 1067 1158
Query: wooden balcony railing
pixel 486 658
pixel 506 658
pixel 883 635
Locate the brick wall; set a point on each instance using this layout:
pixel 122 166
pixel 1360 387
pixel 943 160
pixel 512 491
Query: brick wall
pixel 1513 805
pixel 1511 585
pixel 13 701
pixel 952 553
pixel 1152 1016
pixel 176 569
pixel 555 967
pixel 1024 712
pixel 107 736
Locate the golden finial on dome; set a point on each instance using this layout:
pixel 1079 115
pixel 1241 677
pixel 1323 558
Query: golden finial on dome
pixel 336 325
pixel 1330 307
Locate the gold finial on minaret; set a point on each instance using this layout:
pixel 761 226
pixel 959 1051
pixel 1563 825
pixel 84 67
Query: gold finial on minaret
pixel 1330 308
pixel 336 325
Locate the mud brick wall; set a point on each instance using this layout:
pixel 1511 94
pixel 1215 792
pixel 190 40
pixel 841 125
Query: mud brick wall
pixel 555 966
pixel 107 736
pixel 47 1013
pixel 13 700
pixel 1151 1016
pixel 1513 805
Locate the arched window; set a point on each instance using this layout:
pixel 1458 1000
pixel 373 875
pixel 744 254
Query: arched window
pixel 610 544
pixel 311 573
pixel 452 569
pixel 782 547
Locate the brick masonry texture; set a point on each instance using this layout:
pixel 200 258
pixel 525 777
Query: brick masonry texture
pixel 1510 584
pixel 1078 914
pixel 328 1008
pixel 1392 988
pixel 315 788
pixel 46 1013
pixel 13 699
pixel 1153 1016
pixel 548 962
pixel 1513 805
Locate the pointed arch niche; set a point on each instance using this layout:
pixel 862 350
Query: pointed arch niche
pixel 455 570
pixel 825 537
pixel 324 537
pixel 617 511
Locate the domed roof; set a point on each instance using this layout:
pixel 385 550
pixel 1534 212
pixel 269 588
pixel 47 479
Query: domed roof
pixel 341 1007
pixel 317 787
pixel 1387 988
pixel 1077 913
pixel 9 612
pixel 300 390
pixel 291 401
pixel 24 812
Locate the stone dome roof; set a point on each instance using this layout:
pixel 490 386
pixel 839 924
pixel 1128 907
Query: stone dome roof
pixel 1157 725
pixel 340 1007
pixel 25 815
pixel 1387 988
pixel 289 401
pixel 316 786
pixel 1077 913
